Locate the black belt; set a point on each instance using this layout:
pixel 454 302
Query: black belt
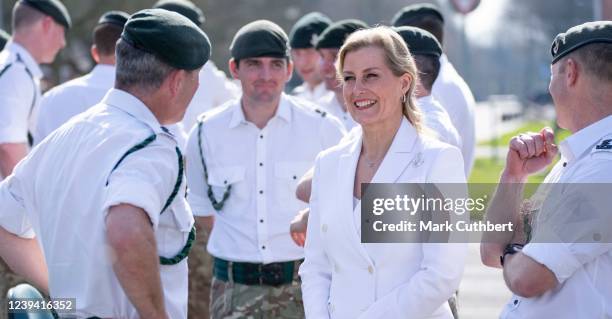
pixel 252 274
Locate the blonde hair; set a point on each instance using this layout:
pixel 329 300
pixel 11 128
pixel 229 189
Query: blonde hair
pixel 397 58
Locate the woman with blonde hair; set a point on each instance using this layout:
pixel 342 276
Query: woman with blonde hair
pixel 341 277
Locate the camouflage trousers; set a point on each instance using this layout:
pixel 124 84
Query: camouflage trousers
pixel 229 300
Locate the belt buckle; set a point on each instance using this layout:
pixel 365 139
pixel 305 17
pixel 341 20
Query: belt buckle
pixel 274 274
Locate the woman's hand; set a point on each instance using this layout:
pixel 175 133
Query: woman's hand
pixel 298 227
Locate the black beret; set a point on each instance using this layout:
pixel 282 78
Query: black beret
pixel 118 18
pixel 419 41
pixel 410 14
pixel 4 37
pixel 171 37
pixel 184 7
pixel 53 8
pixel 306 30
pixel 580 35
pixel 333 37
pixel 258 39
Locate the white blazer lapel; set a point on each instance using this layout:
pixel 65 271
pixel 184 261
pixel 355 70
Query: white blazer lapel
pixel 400 156
pixel 347 165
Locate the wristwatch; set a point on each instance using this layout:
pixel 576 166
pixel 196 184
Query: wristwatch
pixel 510 249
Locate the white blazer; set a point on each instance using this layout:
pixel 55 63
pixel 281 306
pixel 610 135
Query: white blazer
pixel 343 278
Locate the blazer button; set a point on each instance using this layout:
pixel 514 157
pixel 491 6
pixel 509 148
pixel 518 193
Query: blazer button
pixel 324 228
pixel 370 269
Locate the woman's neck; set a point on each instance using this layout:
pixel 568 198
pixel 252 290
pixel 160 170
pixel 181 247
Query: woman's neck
pixel 378 138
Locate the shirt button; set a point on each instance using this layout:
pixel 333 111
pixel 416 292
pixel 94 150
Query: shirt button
pixel 370 269
pixel 294 177
pixel 564 164
pixel 261 191
pixel 261 136
pixel 261 220
pixel 260 164
pixel 263 247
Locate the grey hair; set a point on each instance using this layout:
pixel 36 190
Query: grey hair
pixel 137 69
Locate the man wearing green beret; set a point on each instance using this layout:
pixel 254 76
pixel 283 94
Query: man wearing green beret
pixel 38 34
pixel 302 39
pixel 243 164
pixel 449 87
pixel 328 45
pixel 558 260
pixel 215 88
pixel 4 37
pixel 104 194
pixel 61 103
pixel 426 51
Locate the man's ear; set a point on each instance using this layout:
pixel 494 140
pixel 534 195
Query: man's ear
pixel 289 69
pixel 175 81
pixel 95 54
pixel 571 72
pixel 233 67
pixel 47 23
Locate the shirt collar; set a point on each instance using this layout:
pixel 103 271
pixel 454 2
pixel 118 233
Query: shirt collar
pixel 103 75
pixel 26 58
pixel 133 106
pixel 283 111
pixel 578 143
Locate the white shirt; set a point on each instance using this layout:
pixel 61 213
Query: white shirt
pixel 304 92
pixel 215 89
pixel 62 191
pixel 583 270
pixel 344 278
pixel 19 93
pixel 437 119
pixel 263 168
pixel 455 96
pixel 330 104
pixel 63 102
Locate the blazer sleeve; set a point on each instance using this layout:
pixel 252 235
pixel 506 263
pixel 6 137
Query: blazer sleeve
pixel 315 272
pixel 442 265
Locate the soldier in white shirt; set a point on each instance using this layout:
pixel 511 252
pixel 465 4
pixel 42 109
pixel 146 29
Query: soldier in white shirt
pixel 215 88
pixel 449 88
pixel 38 34
pixel 302 39
pixel 552 271
pixel 61 103
pixel 328 45
pixel 426 51
pixel 104 194
pixel 244 161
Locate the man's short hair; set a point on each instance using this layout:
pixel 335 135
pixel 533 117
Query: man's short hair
pixel 429 68
pixel 596 60
pixel 137 69
pixel 24 15
pixel 105 38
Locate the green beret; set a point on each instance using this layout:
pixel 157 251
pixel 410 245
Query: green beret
pixel 306 30
pixel 118 18
pixel 410 14
pixel 580 35
pixel 53 8
pixel 184 7
pixel 419 41
pixel 4 37
pixel 169 36
pixel 333 37
pixel 258 39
